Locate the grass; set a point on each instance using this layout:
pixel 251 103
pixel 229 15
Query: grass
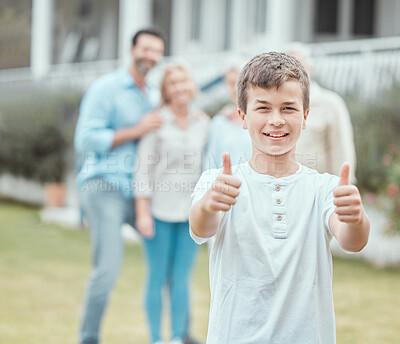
pixel 44 268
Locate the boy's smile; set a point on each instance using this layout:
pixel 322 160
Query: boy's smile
pixel 275 118
pixel 276 136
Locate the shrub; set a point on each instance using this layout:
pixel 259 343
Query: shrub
pixel 36 130
pixel 376 133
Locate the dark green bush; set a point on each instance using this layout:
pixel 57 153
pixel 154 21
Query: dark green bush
pixel 377 137
pixel 376 125
pixel 36 130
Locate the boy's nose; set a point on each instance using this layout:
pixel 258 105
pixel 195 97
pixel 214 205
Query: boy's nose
pixel 276 119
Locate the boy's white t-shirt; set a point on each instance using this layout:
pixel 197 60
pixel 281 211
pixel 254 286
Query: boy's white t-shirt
pixel 271 265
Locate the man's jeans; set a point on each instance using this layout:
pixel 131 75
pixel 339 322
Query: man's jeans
pixel 106 211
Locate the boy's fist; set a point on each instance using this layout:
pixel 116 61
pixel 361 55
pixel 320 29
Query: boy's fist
pixel 347 199
pixel 225 189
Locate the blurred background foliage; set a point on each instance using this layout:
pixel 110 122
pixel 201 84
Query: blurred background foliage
pixel 36 130
pixel 376 125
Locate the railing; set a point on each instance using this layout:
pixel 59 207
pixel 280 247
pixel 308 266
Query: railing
pixel 75 75
pixel 362 66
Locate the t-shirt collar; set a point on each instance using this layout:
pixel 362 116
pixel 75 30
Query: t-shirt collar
pixel 266 178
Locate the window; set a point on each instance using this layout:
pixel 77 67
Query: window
pixel 363 21
pixel 162 19
pixel 326 16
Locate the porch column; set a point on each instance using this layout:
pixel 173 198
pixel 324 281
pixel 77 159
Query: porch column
pixel 281 23
pixel 41 37
pixel 345 15
pixel 133 15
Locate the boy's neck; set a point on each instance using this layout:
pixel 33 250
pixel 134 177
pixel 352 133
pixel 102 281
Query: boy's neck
pixel 276 166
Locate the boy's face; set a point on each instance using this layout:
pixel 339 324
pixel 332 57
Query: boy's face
pixel 275 118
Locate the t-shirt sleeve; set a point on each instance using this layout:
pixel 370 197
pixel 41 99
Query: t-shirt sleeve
pixel 330 183
pixel 204 183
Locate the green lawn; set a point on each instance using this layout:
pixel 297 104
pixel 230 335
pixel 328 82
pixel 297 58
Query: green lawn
pixel 43 272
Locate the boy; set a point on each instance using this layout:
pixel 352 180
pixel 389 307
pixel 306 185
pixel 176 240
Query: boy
pixel 271 266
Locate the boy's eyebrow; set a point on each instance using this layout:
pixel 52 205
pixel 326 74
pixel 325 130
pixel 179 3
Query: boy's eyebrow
pixel 291 102
pixel 262 101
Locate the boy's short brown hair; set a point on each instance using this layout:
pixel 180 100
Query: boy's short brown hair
pixel 271 69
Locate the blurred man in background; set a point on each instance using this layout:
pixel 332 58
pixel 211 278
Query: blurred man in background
pixel 111 120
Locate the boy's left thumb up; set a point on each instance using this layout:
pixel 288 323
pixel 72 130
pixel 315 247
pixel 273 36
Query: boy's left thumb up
pixel 226 159
pixel 344 174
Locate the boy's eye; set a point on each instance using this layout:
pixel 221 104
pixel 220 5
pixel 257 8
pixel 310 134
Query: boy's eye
pixel 289 109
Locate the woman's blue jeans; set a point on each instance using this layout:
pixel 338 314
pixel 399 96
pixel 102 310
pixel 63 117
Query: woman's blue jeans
pixel 170 256
pixel 106 211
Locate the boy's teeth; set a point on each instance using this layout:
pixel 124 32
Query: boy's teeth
pixel 273 135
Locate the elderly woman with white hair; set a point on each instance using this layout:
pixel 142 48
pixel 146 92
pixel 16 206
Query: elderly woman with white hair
pixel 328 139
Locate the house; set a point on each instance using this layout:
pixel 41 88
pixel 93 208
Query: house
pixel 86 38
pixel 355 43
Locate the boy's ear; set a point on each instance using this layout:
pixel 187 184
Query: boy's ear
pixel 242 115
pixel 305 118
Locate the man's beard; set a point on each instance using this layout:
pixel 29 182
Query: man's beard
pixel 142 67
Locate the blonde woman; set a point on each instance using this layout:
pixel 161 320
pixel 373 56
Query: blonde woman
pixel 169 165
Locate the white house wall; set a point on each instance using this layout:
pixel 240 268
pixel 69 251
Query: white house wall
pixel 108 29
pixel 237 32
pixel 286 20
pixel 387 19
pixel 213 25
pixel 282 22
pixel 280 27
pixel 303 21
pixel 212 18
pixel 179 25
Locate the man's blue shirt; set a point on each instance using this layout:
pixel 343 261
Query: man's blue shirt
pixel 113 102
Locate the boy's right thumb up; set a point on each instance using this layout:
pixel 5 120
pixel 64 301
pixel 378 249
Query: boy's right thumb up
pixel 344 174
pixel 227 163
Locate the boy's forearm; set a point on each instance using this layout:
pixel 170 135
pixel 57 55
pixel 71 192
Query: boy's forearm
pixel 351 236
pixel 203 223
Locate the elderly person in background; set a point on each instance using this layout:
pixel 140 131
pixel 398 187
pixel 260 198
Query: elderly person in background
pixel 226 130
pixel 328 140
